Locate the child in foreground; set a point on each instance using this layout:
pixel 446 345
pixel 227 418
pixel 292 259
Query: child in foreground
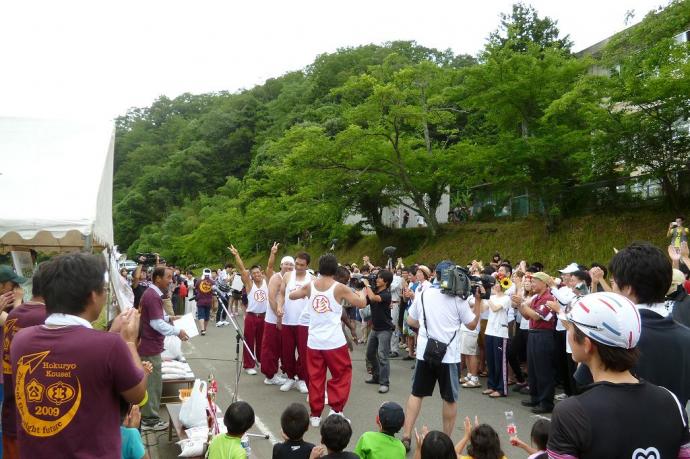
pixel 539 437
pixel 294 423
pixel 335 435
pixel 383 444
pixel 239 418
pixel 482 441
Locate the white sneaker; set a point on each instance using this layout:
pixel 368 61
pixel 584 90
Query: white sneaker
pixel 302 386
pixel 561 397
pixel 251 371
pixel 219 324
pixel 289 384
pixel 339 413
pixel 315 421
pixel 276 380
pixel 225 322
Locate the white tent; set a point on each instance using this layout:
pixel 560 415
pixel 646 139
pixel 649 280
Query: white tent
pixel 56 183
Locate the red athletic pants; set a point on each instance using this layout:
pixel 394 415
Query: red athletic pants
pixel 294 338
pixel 338 362
pixel 253 334
pixel 270 350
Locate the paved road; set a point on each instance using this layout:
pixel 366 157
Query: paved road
pixel 215 353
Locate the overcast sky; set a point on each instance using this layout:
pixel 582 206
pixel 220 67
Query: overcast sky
pixel 95 59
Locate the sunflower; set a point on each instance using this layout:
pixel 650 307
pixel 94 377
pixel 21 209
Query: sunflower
pixel 506 283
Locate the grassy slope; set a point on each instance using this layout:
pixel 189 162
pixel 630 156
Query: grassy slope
pixel 583 239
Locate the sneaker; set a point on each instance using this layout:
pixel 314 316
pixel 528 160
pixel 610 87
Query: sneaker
pixel 315 421
pixel 302 386
pixel 287 385
pixel 472 383
pixel 465 379
pixel 383 389
pixel 560 397
pixel 203 332
pixel 339 413
pixel 219 324
pixel 160 425
pixel 276 380
pixel 394 355
pixel 251 371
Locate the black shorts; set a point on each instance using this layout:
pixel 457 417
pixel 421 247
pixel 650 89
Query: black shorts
pixel 425 377
pixel 236 294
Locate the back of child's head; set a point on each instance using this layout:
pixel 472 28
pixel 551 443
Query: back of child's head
pixel 294 421
pixel 335 433
pixel 239 418
pixel 391 417
pixel 484 443
pixel 540 434
pixel 438 445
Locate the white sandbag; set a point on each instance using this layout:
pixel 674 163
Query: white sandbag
pixel 191 448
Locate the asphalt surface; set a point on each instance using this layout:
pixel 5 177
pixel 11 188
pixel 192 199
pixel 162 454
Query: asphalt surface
pixel 215 353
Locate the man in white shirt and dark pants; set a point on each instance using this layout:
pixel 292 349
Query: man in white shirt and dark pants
pixel 438 316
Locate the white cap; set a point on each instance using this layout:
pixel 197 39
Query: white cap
pixel 571 268
pixel 287 259
pixel 608 318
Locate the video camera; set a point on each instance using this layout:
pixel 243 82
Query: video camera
pixel 146 259
pixel 457 281
pixel 357 281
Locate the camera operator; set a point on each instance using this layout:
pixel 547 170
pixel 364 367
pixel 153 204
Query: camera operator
pixel 438 317
pixel 378 346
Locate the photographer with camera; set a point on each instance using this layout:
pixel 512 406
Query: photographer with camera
pixel 679 236
pixel 378 346
pixel 438 313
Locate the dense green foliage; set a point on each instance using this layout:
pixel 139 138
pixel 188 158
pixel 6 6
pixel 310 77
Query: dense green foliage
pixel 372 126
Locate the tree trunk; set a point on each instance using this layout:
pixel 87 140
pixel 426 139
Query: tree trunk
pixel 671 191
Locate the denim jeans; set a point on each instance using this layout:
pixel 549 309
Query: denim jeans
pixel 378 350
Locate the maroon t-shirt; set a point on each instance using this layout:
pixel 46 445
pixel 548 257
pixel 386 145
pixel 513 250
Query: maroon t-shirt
pixel 151 308
pixel 68 382
pixel 203 290
pixel 548 317
pixel 24 316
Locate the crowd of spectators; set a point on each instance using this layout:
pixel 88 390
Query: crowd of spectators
pixel 614 338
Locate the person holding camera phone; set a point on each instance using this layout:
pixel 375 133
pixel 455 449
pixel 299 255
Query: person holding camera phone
pixel 438 317
pixel 378 346
pixel 679 236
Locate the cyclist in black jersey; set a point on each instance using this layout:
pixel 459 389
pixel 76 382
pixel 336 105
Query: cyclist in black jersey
pixel 619 415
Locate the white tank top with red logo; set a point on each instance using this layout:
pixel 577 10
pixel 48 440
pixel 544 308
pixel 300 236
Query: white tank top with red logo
pixel 258 298
pixel 271 317
pixel 325 331
pixel 294 308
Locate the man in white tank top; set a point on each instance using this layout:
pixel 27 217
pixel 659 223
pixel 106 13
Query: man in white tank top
pixel 295 325
pixel 271 344
pixel 257 296
pixel 326 345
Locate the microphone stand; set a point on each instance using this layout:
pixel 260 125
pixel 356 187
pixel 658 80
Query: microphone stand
pixel 239 337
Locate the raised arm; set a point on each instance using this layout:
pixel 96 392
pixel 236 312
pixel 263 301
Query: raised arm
pixel 240 266
pixel 271 260
pixel 476 308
